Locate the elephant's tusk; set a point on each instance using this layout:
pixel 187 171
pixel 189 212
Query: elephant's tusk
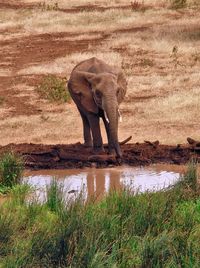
pixel 106 117
pixel 120 116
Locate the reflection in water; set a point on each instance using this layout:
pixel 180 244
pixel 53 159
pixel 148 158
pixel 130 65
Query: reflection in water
pixel 96 182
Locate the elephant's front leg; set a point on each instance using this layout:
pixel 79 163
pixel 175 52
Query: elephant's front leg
pixel 86 130
pixel 96 133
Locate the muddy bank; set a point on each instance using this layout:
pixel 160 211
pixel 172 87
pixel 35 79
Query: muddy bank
pixel 38 156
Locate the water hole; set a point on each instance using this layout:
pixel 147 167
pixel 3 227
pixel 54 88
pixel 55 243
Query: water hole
pixel 93 182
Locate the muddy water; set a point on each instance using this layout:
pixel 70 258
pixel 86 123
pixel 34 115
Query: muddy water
pixel 96 182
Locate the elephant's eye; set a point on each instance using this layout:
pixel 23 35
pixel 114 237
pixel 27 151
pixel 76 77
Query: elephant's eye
pixel 98 93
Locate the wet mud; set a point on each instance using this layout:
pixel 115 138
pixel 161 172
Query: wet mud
pixel 40 156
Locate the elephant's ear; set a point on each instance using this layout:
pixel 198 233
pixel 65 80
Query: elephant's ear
pixel 89 77
pixel 82 89
pixel 122 86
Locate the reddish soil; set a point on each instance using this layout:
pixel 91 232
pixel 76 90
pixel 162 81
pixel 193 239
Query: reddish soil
pixel 38 156
pixel 13 5
pixel 18 53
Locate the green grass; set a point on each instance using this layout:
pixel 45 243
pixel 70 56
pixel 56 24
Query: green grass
pixel 11 168
pixel 190 179
pixel 55 197
pixel 53 89
pixel 123 230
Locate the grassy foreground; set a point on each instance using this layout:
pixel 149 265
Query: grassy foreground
pixel 11 168
pixel 123 230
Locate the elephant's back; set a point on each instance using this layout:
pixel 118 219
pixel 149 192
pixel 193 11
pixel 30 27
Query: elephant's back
pixel 93 65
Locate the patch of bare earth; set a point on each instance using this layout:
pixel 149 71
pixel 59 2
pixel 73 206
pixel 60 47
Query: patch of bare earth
pixel 33 50
pixel 59 156
pixel 158 48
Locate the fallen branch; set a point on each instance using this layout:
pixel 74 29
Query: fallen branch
pixel 121 142
pixel 193 142
pixel 154 143
pixel 125 141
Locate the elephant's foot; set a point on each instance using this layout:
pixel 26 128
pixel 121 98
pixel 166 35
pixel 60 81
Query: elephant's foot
pixel 87 144
pixel 111 151
pixel 98 150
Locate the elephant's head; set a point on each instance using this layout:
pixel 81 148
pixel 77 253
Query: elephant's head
pixel 108 92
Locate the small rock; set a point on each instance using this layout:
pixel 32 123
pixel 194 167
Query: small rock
pixel 72 191
pixel 111 166
pixel 93 165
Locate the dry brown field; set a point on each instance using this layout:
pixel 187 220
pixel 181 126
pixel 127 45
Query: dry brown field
pixel 157 46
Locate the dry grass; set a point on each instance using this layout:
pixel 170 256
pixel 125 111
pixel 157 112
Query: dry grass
pixel 37 21
pixel 4 72
pixel 64 65
pixel 77 3
pixel 163 94
pixel 56 128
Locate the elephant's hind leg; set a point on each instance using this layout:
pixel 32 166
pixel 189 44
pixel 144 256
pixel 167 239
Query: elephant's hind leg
pixel 86 130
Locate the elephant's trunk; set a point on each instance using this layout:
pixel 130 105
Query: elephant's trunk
pixel 111 109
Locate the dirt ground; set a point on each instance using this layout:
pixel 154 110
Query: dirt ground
pixel 37 156
pixel 158 48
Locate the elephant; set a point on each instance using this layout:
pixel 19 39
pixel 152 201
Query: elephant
pixel 97 90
